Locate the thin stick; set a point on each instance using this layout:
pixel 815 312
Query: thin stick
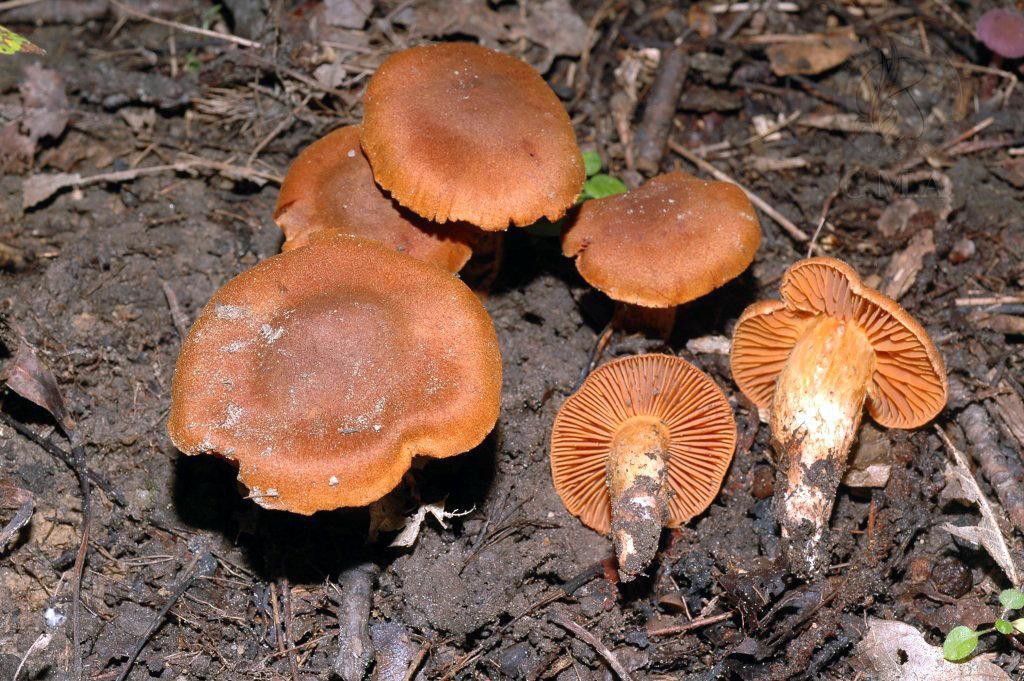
pixel 563 621
pixel 205 564
pixel 286 595
pixel 78 456
pixel 244 42
pixel 177 316
pixel 990 300
pixel 58 453
pixel 14 4
pixel 689 626
pixel 784 222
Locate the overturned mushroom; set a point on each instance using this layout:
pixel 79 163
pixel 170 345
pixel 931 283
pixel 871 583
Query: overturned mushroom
pixel 673 240
pixel 323 371
pixel 643 445
pixel 814 359
pixel 330 187
pixel 456 131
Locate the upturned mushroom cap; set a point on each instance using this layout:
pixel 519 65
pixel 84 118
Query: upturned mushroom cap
pixel 908 387
pixel 323 371
pixel 456 131
pixel 330 186
pixel 1002 31
pixel 702 434
pixel 673 240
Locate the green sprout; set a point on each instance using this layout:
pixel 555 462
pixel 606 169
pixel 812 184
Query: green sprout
pixel 598 184
pixel 961 641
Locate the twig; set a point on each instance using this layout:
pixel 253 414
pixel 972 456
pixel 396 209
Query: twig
pixel 41 641
pixel 988 300
pixel 563 621
pixel 244 42
pixel 660 108
pixel 78 457
pixel 180 321
pixel 417 661
pixel 1004 472
pixel 595 355
pixel 278 129
pixel 826 207
pixel 14 4
pixel 202 565
pixel 795 232
pixel 689 626
pixel 355 647
pixel 58 453
pixel 286 594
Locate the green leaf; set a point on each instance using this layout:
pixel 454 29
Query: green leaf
pixel 1004 627
pixel 959 643
pixel 601 185
pixel 12 43
pixel 592 162
pixel 1018 624
pixel 1012 599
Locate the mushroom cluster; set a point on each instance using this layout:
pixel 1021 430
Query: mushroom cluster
pixel 324 370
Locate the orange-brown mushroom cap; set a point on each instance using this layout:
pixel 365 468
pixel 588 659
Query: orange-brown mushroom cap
pixel 909 385
pixel 456 131
pixel 322 371
pixel 674 239
pixel 702 434
pixel 330 186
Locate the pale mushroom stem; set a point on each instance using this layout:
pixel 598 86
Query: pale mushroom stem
pixel 657 321
pixel 816 410
pixel 636 482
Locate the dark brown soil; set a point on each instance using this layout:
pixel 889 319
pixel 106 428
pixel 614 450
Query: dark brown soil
pixel 86 275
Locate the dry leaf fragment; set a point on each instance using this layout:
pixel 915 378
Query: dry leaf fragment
pixel 904 266
pixel 894 651
pixel 896 216
pixel 29 377
pixel 813 53
pixel 348 13
pixel 960 484
pixel 411 531
pixel 38 188
pixel 870 459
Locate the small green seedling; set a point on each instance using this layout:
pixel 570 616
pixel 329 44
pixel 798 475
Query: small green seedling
pixel 12 43
pixel 597 186
pixel 961 641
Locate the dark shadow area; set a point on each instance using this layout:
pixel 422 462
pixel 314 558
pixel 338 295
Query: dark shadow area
pixel 310 549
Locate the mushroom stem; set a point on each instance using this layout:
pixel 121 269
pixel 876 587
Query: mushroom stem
pixel 657 321
pixel 636 482
pixel 815 415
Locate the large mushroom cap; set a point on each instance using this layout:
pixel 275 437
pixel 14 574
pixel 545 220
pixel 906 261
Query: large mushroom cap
pixel 908 387
pixel 456 131
pixel 322 371
pixel 674 239
pixel 330 186
pixel 702 434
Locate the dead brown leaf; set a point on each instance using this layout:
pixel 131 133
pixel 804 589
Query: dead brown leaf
pixel 43 113
pixel 895 651
pixel 28 376
pixel 904 266
pixel 813 53
pixel 20 501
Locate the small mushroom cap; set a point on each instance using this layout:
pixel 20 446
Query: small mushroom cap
pixel 909 385
pixel 673 240
pixel 1002 31
pixel 322 371
pixel 330 186
pixel 456 131
pixel 689 404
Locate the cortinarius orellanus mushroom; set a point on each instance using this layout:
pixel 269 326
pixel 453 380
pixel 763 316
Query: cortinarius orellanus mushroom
pixel 330 186
pixel 323 371
pixel 674 239
pixel 456 131
pixel 644 444
pixel 814 359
